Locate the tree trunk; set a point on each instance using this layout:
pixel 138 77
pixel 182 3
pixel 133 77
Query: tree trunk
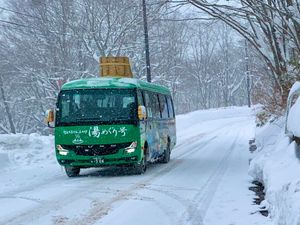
pixel 6 107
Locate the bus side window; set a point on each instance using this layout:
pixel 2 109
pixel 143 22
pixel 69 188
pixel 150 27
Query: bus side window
pixel 148 104
pixel 170 107
pixel 163 106
pixel 66 105
pixel 155 106
pixel 140 98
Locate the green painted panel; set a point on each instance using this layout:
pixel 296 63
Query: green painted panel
pixel 90 135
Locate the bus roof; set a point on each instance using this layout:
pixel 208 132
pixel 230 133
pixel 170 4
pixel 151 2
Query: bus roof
pixel 115 82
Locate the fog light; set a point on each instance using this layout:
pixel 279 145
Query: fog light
pixel 131 148
pixel 61 150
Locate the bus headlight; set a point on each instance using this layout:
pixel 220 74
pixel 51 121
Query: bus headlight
pixel 131 148
pixel 61 150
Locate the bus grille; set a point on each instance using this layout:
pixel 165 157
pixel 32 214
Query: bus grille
pixel 94 150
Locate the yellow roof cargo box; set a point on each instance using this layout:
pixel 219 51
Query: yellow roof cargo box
pixel 115 67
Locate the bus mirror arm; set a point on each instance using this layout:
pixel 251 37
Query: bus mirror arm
pixel 49 125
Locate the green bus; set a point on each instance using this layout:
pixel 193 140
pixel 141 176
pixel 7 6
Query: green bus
pixel 112 122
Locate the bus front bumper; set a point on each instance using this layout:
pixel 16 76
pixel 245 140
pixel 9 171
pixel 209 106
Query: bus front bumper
pixel 97 161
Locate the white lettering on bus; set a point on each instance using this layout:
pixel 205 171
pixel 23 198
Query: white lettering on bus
pixel 97 132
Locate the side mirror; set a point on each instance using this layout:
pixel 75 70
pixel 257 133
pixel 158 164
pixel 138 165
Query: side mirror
pixel 142 112
pixel 49 118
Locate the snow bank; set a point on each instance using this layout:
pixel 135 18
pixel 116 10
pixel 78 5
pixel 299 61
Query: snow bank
pixel 293 112
pixel 276 165
pixel 25 150
pixel 294 89
pixel 293 119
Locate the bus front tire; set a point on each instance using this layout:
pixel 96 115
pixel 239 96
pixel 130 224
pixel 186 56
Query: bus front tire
pixel 167 154
pixel 72 171
pixel 141 167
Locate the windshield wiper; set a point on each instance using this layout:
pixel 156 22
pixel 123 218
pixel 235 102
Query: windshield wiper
pixel 87 119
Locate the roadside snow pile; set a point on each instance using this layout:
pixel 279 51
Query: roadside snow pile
pixel 293 111
pixel 24 149
pixel 275 165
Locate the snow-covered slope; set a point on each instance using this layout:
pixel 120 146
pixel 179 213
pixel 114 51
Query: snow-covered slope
pixel 26 161
pixel 21 150
pixel 276 165
pixel 25 150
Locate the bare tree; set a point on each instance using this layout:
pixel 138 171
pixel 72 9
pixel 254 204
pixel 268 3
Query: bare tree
pixel 270 26
pixel 47 43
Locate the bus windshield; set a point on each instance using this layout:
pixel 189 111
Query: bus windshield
pixel 96 106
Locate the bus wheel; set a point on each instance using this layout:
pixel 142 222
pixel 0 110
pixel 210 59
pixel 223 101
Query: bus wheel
pixel 72 171
pixel 167 154
pixel 141 167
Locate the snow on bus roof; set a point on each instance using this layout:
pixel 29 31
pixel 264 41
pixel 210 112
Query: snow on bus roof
pixel 112 82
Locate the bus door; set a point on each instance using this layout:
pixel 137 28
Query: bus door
pixel 164 122
pixel 151 129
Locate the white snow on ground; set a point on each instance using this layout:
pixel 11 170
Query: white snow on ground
pixel 293 111
pixel 206 182
pixel 276 165
pixel 293 120
pixel 295 88
pixel 25 150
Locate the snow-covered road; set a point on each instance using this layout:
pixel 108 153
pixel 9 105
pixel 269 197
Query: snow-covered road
pixel 206 182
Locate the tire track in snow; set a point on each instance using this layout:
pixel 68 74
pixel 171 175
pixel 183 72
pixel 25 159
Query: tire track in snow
pixel 196 137
pixel 195 213
pixel 45 205
pixel 26 188
pixel 99 211
pixel 197 209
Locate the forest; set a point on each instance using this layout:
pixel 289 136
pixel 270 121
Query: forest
pixel 209 53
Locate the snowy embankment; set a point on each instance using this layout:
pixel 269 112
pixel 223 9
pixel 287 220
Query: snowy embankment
pixel 26 160
pixel 276 165
pixel 18 150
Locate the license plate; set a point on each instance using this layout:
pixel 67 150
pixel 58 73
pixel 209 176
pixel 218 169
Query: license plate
pixel 97 160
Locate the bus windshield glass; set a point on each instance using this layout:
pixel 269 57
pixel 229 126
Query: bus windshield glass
pixel 96 106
